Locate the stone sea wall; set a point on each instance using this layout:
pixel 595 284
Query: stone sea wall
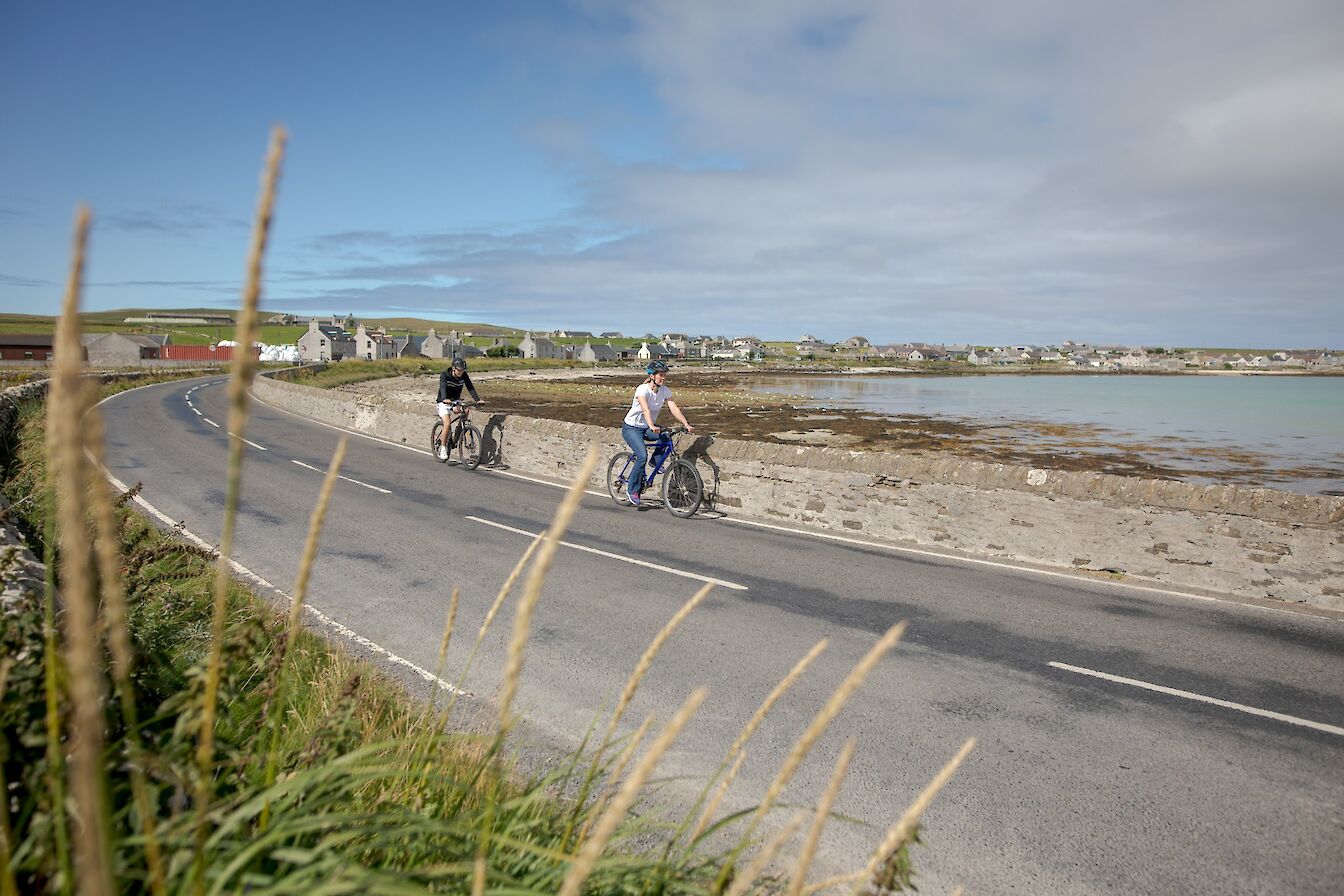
pixel 1250 542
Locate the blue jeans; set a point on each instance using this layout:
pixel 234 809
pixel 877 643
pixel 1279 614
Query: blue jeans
pixel 634 437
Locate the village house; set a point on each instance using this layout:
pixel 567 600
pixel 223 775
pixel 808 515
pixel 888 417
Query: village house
pixel 655 351
pixel 539 347
pixel 325 342
pixel 376 346
pixel 592 354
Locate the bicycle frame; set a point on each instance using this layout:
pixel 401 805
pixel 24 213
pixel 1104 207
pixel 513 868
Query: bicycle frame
pixel 669 446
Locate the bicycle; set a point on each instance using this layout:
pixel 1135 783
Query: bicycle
pixel 683 489
pixel 465 438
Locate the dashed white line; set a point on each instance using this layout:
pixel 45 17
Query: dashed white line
pixel 1190 695
pixel 197 412
pixel 346 478
pixel 211 422
pixel 578 547
pixel 248 442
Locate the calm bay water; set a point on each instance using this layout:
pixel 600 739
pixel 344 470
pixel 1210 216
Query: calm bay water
pixel 1293 425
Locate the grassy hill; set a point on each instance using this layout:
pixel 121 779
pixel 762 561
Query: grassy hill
pixel 114 321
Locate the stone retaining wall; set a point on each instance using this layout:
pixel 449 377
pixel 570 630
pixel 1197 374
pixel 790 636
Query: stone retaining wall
pixel 1246 541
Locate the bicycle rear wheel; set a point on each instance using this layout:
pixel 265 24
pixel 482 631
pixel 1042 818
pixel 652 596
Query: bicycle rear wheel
pixel 434 443
pixel 617 469
pixel 469 447
pixel 683 489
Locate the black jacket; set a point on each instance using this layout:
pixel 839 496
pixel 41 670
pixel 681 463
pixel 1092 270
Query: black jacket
pixel 450 387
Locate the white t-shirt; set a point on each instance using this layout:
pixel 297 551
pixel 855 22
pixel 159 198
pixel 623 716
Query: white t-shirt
pixel 656 397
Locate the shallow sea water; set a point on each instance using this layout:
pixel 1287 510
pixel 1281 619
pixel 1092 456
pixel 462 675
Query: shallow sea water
pixel 1279 431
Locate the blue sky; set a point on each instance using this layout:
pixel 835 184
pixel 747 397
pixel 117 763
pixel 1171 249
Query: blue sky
pixel 969 172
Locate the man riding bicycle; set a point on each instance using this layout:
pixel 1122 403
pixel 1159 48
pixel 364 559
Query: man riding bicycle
pixel 641 420
pixel 451 382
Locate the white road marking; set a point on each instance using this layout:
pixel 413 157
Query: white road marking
pixel 1190 695
pixel 248 442
pixel 211 422
pixel 197 412
pixel 247 574
pixel 338 476
pixel 646 564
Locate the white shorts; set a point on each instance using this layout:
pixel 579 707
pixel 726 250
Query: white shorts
pixel 446 408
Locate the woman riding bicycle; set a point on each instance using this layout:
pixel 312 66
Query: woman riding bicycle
pixel 641 421
pixel 451 382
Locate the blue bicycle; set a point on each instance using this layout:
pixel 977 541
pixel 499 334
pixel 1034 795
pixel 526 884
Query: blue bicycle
pixel 683 489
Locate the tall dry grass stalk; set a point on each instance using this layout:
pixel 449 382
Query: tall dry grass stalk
pixel 51 688
pixel 489 621
pixel 108 550
pixel 732 760
pixel 822 720
pixel 244 366
pixel 306 562
pixel 627 695
pixel 803 746
pixel 646 660
pixel 625 797
pixel 823 813
pixel 66 404
pixel 448 624
pixel 900 832
pixel 522 621
pixel 712 808
pixel 756 867
pixel 613 779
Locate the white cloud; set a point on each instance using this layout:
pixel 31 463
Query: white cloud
pixel 955 171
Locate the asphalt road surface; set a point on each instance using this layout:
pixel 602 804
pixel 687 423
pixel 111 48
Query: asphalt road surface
pixel 1102 764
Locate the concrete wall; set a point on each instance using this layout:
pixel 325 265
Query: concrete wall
pixel 1246 541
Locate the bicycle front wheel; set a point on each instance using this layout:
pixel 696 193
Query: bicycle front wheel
pixel 616 481
pixel 469 447
pixel 683 489
pixel 440 456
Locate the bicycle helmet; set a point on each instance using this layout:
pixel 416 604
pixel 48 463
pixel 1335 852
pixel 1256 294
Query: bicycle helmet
pixel 656 367
pixel 460 364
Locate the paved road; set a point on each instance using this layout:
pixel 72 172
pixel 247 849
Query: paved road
pixel 1079 784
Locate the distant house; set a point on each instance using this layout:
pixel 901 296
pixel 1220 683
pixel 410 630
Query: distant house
pixel 539 347
pixel 27 347
pixel 649 351
pixel 612 334
pixel 123 349
pixel 856 342
pixel 592 354
pixel 811 347
pixel 325 342
pixel 374 346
